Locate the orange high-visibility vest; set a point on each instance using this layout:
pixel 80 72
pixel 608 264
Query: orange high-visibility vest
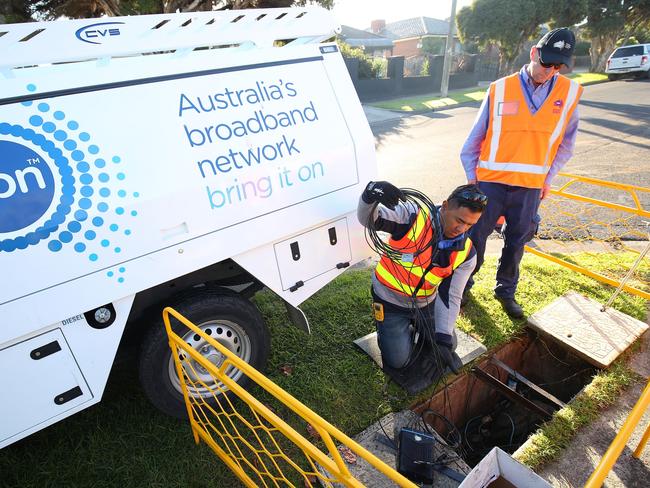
pixel 519 147
pixel 404 275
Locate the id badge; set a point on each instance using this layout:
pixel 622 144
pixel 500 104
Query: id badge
pixel 378 310
pixel 508 108
pixel 407 258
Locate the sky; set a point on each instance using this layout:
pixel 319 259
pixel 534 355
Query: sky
pixel 359 13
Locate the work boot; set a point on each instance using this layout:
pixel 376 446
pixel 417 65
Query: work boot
pixel 512 308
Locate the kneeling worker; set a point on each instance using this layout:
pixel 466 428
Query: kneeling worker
pixel 419 281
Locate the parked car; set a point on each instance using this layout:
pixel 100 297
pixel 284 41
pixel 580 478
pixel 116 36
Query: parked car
pixel 629 60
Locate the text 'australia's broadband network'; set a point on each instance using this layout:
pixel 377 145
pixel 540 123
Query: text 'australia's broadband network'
pixel 230 138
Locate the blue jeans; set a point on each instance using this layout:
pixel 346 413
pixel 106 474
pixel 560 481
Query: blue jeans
pixel 395 334
pixel 519 206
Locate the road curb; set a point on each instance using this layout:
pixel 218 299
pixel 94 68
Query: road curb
pixel 459 104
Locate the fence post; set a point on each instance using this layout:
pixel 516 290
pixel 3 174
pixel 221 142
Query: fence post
pixel 436 64
pixel 395 71
pixel 352 64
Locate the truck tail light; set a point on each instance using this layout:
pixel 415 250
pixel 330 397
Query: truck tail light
pixel 644 60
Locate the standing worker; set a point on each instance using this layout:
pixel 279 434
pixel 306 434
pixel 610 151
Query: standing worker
pixel 523 135
pixel 418 283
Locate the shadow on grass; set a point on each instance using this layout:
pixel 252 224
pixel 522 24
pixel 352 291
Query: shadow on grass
pixel 490 332
pixel 124 442
pixel 121 442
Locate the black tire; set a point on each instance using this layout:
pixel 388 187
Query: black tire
pixel 612 77
pixel 224 315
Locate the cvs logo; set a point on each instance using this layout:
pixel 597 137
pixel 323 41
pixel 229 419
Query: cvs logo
pixel 97 33
pixel 26 186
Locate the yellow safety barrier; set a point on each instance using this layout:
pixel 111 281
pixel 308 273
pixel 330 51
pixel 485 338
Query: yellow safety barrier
pixel 259 446
pixel 585 219
pixel 618 444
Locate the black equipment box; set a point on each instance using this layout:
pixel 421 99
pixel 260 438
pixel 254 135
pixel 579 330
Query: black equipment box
pixel 415 455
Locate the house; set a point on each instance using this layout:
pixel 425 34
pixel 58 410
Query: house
pixel 410 36
pixel 372 44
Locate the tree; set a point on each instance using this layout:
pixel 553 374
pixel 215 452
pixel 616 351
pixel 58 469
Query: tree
pixel 14 11
pixel 506 23
pixel 605 24
pixel 612 22
pixel 641 35
pixel 52 9
pixel 638 20
pixel 566 14
pixel 434 45
pixel 369 67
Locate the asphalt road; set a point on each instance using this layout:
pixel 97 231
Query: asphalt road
pixel 613 143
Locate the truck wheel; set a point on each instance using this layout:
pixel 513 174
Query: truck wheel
pixel 612 77
pixel 225 316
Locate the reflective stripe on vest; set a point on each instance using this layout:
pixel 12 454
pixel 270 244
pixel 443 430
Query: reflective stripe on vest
pixel 519 146
pixel 404 275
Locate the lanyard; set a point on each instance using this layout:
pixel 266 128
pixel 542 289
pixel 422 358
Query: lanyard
pixel 529 95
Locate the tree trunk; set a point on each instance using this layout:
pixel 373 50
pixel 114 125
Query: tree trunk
pixel 601 48
pixel 508 57
pixel 506 63
pixel 111 7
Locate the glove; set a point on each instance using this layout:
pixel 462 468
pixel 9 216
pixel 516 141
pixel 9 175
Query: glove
pixel 382 192
pixel 447 356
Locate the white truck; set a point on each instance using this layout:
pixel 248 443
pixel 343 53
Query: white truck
pixel 629 60
pixel 187 160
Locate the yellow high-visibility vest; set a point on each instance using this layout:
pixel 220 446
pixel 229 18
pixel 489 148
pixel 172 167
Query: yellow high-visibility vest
pixel 404 275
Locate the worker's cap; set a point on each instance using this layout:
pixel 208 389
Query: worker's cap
pixel 556 47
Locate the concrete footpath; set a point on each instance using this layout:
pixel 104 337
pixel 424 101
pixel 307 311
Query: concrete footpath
pixel 376 115
pixel 580 458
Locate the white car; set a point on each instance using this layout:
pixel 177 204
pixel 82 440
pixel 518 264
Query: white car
pixel 629 60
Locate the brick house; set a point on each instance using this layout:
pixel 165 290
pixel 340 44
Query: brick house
pixel 409 35
pixel 372 44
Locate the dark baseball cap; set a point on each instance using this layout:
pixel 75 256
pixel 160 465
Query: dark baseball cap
pixel 556 47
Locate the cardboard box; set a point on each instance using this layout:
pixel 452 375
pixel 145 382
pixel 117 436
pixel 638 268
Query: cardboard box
pixel 499 470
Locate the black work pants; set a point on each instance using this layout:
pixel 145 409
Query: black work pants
pixel 519 206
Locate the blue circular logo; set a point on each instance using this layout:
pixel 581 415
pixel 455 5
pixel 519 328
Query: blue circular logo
pixel 26 186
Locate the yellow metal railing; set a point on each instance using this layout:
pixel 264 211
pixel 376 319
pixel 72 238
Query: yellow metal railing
pixel 250 437
pixel 618 444
pixel 576 227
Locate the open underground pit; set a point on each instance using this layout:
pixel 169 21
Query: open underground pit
pixel 505 397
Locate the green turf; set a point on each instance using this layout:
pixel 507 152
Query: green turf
pixel 433 101
pixel 124 442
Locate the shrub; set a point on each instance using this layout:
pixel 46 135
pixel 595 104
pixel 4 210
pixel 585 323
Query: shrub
pixel 425 68
pixel 369 67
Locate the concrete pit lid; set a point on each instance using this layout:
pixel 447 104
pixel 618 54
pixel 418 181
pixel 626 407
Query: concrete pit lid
pixel 578 323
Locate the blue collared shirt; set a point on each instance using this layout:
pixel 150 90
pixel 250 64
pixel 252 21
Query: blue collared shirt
pixel 535 96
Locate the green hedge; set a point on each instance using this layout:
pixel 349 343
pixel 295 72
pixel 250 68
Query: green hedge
pixel 369 67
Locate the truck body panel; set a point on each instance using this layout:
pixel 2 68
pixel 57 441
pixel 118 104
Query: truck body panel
pixel 137 150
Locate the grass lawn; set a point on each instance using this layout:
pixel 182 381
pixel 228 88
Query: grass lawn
pixel 124 442
pixel 432 101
